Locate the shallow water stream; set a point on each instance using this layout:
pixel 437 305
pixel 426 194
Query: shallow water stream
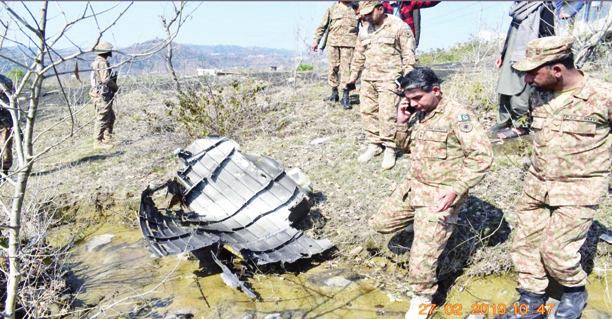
pixel 117 277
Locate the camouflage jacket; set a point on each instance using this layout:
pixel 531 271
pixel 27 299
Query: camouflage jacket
pixel 341 20
pixel 102 84
pixel 448 150
pixel 5 116
pixel 572 145
pixel 383 54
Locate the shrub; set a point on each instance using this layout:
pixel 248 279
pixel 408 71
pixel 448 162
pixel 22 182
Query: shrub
pixel 304 67
pixel 474 50
pixel 229 111
pixel 15 75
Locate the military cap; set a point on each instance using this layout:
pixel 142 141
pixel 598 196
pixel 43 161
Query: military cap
pixel 366 7
pixel 103 47
pixel 542 50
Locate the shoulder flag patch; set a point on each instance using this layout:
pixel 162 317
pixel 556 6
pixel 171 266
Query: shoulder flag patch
pixel 463 118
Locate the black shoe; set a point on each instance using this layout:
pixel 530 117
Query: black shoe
pixel 346 104
pixel 529 306
pixel 572 302
pixel 333 97
pixel 499 127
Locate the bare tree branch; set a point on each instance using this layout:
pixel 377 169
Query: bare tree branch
pixel 6 27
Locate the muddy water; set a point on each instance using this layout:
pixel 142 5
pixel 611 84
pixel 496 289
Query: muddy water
pixel 119 278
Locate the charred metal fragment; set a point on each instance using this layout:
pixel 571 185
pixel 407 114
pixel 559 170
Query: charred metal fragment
pixel 232 280
pixel 244 201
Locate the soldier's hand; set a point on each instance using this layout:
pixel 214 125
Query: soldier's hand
pixel 402 111
pixel 499 61
pixel 314 47
pixel 446 199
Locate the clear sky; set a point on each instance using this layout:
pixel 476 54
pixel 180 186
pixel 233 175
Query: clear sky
pixel 274 24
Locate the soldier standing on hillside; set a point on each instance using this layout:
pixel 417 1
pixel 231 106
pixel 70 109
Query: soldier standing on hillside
pixel 449 154
pixel 6 125
pixel 567 180
pixel 103 90
pixel 384 52
pixel 340 21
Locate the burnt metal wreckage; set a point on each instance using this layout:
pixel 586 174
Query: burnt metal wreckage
pixel 228 198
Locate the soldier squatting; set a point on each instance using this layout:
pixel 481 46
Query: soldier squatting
pixel 451 153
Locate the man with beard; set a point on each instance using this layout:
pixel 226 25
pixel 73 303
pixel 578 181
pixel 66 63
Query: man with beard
pixel 567 180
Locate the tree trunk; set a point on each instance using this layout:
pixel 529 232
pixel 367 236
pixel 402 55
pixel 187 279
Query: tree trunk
pixel 24 154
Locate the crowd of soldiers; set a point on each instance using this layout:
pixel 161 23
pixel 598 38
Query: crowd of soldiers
pixel 402 106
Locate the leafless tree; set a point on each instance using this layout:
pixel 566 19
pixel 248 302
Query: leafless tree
pixel 179 19
pixel 587 44
pixel 42 61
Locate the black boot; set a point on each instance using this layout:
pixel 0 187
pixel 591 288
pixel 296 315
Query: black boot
pixel 333 97
pixel 529 306
pixel 345 100
pixel 572 302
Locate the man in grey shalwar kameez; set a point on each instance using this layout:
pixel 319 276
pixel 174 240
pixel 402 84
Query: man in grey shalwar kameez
pixel 530 20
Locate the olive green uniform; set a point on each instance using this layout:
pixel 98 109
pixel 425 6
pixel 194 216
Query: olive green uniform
pixel 103 89
pixel 449 150
pixel 382 54
pixel 566 182
pixel 341 23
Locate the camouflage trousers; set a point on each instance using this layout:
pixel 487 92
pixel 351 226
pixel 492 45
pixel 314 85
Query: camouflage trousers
pixel 431 233
pixel 6 155
pixel 339 61
pixel 377 106
pixel 548 239
pixel 105 119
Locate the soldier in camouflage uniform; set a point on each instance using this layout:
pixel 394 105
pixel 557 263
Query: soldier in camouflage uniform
pixel 449 154
pixel 103 89
pixel 6 124
pixel 384 51
pixel 340 21
pixel 568 177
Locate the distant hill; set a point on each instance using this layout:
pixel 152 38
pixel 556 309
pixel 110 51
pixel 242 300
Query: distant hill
pixel 187 58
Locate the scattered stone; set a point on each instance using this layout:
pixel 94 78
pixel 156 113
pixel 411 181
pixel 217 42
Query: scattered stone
pixel 99 242
pixel 179 314
pixel 335 278
pixel 394 297
pixel 337 281
pixel 273 316
pixel 319 140
pixel 355 251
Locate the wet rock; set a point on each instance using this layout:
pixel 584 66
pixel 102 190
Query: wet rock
pixel 99 242
pixel 337 281
pixel 395 297
pixel 249 315
pixel 335 278
pixel 179 314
